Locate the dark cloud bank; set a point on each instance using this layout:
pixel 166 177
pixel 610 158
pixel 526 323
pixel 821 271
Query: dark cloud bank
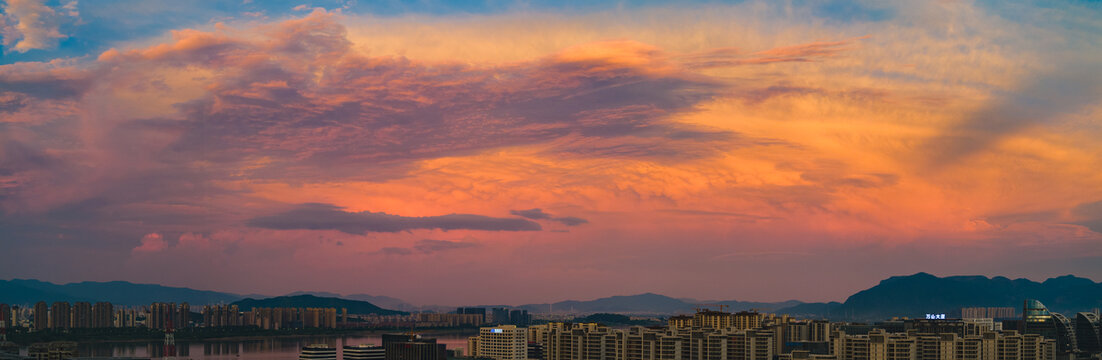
pixel 538 214
pixel 328 217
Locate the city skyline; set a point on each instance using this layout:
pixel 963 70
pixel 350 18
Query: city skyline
pixel 486 152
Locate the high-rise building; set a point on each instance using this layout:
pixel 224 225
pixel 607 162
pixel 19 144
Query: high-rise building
pixel 446 320
pixel 880 345
pixel 318 352
pixel 161 314
pixel 744 320
pixel 319 318
pixel 412 347
pixel 499 316
pixel 5 316
pixel 221 316
pixel 562 341
pixel 471 311
pixel 289 318
pixel 15 315
pixel 505 342
pixel 41 316
pixel 1088 332
pixel 790 334
pixel 476 313
pixel 519 318
pixel 103 315
pixel 472 347
pixel 183 316
pixel 997 313
pixel 1038 320
pixel 364 352
pixel 81 317
pixel 680 322
pixel 61 315
pixel 711 319
pixel 535 351
pixel 126 318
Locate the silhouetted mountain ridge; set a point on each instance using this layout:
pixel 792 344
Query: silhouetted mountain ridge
pixel 382 301
pixel 910 296
pixel 20 291
pixel 311 301
pixel 647 303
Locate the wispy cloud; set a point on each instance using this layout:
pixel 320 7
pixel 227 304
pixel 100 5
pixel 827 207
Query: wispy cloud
pixel 1042 99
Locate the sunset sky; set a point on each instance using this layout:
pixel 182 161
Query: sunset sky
pixel 508 152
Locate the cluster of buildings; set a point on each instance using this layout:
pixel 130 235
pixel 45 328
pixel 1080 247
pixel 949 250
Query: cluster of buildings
pixel 163 316
pixel 562 341
pixel 63 315
pixel 291 318
pixel 1081 335
pixel 461 317
pixel 717 335
pixel 271 318
pixel 394 347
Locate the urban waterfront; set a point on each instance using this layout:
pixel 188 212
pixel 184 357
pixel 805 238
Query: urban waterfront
pixel 275 348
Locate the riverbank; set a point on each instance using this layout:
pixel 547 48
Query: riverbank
pixel 205 334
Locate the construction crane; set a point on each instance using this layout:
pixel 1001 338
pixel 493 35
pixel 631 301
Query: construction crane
pixel 706 307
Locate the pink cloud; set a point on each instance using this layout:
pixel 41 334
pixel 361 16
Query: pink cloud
pixel 151 243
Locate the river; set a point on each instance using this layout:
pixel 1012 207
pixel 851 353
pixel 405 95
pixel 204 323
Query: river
pixel 274 348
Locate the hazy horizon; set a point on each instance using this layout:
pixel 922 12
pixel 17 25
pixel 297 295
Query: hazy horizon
pixel 551 301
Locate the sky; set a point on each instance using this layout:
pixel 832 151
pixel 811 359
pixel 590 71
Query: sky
pixel 510 152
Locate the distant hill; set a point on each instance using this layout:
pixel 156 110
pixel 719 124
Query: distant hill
pixel 616 319
pixel 305 301
pixel 734 305
pixel 922 293
pixel 647 303
pixel 20 291
pixel 26 292
pixel 382 301
pixel 315 293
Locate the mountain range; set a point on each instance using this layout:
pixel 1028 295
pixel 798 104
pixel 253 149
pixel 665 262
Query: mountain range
pixel 903 296
pixel 382 301
pixel 922 293
pixel 650 303
pixel 124 293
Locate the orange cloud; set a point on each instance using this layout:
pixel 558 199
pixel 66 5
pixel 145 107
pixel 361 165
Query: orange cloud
pixel 663 140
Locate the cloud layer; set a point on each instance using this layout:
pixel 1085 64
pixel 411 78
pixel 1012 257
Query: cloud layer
pixel 598 151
